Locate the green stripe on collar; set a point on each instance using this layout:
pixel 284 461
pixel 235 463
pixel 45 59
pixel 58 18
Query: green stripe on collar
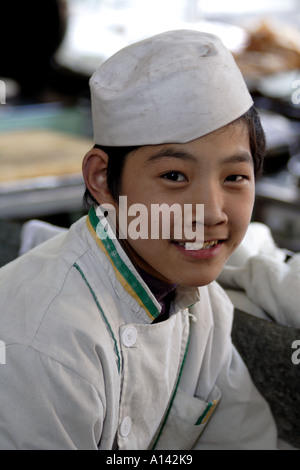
pixel 123 273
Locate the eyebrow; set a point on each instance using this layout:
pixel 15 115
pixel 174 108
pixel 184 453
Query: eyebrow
pixel 240 157
pixel 171 152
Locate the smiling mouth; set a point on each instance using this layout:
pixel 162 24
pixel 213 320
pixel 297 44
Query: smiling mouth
pixel 195 246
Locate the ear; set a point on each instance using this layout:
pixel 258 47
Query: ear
pixel 94 169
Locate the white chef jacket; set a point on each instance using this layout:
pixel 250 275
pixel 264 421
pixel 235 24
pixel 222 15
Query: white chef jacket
pixel 86 368
pixel 260 279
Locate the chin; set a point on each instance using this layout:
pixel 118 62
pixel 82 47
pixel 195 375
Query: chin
pixel 202 277
pixel 201 283
pixel 195 281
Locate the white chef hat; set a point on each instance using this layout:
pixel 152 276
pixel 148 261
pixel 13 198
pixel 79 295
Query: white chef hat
pixel 171 88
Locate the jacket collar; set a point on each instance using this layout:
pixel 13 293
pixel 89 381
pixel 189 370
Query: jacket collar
pixel 126 273
pixel 124 270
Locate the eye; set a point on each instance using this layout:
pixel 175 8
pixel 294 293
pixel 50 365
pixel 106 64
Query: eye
pixel 236 178
pixel 174 176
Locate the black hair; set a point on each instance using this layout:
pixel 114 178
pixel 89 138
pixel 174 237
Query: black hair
pixel 117 155
pixel 116 161
pixel 257 139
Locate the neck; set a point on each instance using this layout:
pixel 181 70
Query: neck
pixel 163 291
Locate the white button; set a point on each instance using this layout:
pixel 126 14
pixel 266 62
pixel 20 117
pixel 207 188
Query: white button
pixel 129 336
pixel 125 427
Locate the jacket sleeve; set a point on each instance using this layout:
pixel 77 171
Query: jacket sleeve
pixel 271 284
pixel 46 406
pixel 259 271
pixel 242 419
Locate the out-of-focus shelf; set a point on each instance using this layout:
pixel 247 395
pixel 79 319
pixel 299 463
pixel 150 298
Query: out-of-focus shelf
pixel 278 206
pixel 41 197
pixel 279 192
pixel 40 173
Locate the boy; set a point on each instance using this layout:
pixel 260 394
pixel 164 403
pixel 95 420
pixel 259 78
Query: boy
pixel 110 341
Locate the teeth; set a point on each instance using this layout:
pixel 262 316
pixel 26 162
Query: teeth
pixel 194 246
pixel 200 246
pixel 197 245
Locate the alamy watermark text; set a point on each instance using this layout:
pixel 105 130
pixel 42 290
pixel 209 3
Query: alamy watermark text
pixel 296 354
pixel 159 221
pixel 296 93
pixel 2 92
pixel 2 353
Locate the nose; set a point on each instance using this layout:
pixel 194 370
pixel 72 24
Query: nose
pixel 214 205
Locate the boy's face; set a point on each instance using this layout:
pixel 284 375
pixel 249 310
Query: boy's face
pixel 215 170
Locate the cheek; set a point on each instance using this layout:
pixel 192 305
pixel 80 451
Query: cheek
pixel 240 215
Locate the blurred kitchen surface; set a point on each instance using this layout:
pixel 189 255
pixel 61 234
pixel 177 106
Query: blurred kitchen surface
pixel 51 48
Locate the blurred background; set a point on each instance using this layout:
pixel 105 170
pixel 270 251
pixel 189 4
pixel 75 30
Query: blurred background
pixel 50 48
